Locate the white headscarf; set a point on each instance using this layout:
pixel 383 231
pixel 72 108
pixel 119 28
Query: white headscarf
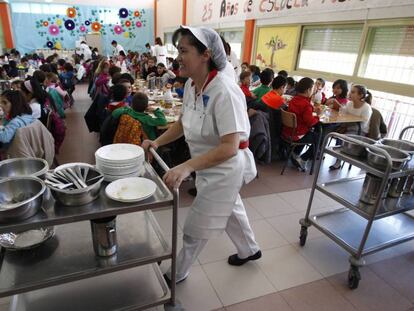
pixel 212 41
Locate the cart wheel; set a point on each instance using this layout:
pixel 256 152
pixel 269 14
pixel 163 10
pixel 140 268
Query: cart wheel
pixel 303 235
pixel 353 277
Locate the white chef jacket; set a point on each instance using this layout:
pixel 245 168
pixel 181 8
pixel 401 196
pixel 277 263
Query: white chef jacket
pixel 160 52
pixel 86 51
pixel 118 49
pixel 218 111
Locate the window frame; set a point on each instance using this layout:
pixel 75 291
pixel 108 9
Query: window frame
pixel 380 85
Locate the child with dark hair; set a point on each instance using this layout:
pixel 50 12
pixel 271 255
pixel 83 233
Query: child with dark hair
pixel 266 77
pixel 274 99
pixel 319 96
pixel 255 71
pixel 18 114
pixel 179 86
pixel 128 86
pixel 137 111
pixel 67 77
pixel 118 94
pixel 163 73
pixel 16 85
pixel 13 71
pixel 283 73
pixel 340 95
pixel 36 97
pixel 60 65
pixel 290 86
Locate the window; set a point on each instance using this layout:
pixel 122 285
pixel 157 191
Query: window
pixel 235 39
pixel 389 54
pixel 38 8
pixel 330 49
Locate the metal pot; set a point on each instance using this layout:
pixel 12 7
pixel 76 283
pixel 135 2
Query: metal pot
pixel 370 189
pixel 20 197
pixel 354 149
pixel 396 187
pixel 104 236
pixel 82 196
pixel 399 158
pixel 23 167
pixel 403 145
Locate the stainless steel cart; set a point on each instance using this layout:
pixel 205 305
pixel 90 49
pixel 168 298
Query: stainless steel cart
pixel 360 229
pixel 64 273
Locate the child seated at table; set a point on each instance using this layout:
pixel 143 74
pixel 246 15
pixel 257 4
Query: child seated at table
pixel 128 86
pixel 290 86
pixel 245 80
pixel 340 95
pixel 118 95
pixel 266 77
pixel 162 72
pixel 274 99
pixel 179 86
pixel 137 112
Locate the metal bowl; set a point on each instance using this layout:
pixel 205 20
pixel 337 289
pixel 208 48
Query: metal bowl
pixel 20 197
pixel 23 167
pixel 77 197
pixel 403 145
pixel 354 149
pixel 27 239
pixel 399 158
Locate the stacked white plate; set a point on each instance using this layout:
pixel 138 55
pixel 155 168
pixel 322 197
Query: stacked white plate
pixel 119 161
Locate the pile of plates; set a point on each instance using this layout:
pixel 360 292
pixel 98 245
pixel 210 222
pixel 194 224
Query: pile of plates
pixel 118 161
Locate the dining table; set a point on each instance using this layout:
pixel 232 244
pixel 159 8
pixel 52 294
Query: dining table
pixel 331 116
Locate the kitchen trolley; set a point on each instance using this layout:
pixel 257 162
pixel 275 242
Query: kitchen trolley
pixel 65 274
pixel 361 228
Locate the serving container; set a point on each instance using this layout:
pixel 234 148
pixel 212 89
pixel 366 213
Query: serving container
pixel 399 158
pixel 23 167
pixel 354 149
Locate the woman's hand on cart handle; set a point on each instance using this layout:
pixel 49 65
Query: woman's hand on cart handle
pixel 175 176
pixel 146 144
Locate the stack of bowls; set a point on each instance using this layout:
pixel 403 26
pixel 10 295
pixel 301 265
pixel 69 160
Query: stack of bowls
pixel 119 161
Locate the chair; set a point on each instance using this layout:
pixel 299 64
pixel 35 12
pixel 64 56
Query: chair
pixel 33 141
pixel 289 121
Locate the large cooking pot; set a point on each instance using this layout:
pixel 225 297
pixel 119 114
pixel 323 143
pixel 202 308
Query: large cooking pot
pixel 398 158
pixel 355 149
pixel 403 145
pixel 23 167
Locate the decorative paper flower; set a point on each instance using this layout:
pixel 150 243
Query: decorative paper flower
pixel 126 34
pixel 71 12
pixel 58 45
pixel 139 24
pixel 128 23
pixel 118 29
pixel 45 23
pixel 53 30
pixel 96 26
pixel 59 22
pixel 87 23
pixel 49 44
pixel 123 13
pixel 69 24
pixel 137 14
pixel 82 28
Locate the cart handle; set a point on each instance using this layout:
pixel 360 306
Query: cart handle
pixel 160 161
pixel 405 130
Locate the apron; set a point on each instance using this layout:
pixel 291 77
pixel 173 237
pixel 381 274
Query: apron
pixel 217 187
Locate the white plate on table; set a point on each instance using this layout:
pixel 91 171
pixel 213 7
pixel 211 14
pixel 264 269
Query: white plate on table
pixel 132 189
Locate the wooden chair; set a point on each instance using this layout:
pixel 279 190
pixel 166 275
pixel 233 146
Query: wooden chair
pixel 289 121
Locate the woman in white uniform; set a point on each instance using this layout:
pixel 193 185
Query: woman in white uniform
pixel 160 52
pixel 216 127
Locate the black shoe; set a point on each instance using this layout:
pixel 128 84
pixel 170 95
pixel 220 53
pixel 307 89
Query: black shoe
pixel 335 166
pixel 168 281
pixel 192 192
pixel 234 260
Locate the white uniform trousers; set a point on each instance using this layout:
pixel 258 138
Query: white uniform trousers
pixel 239 231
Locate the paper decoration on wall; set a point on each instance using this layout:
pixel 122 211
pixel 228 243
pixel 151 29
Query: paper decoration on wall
pixel 74 24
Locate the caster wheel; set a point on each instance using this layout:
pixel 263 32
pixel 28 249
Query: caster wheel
pixel 303 235
pixel 353 277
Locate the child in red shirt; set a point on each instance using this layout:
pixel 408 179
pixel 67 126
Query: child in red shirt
pixel 245 80
pixel 118 94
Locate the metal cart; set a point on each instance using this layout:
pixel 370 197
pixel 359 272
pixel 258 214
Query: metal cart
pixel 360 229
pixel 64 273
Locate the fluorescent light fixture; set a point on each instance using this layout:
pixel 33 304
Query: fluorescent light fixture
pixel 48 1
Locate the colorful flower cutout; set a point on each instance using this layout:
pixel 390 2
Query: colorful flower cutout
pixel 82 28
pixel 58 45
pixel 45 23
pixel 96 26
pixel 59 22
pixel 126 34
pixel 87 23
pixel 128 23
pixel 69 24
pixel 138 24
pixel 123 13
pixel 49 44
pixel 53 30
pixel 71 12
pixel 118 29
pixel 137 14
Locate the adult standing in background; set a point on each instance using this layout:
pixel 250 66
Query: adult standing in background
pixel 150 49
pixel 85 50
pixel 216 127
pixel 160 52
pixel 117 48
